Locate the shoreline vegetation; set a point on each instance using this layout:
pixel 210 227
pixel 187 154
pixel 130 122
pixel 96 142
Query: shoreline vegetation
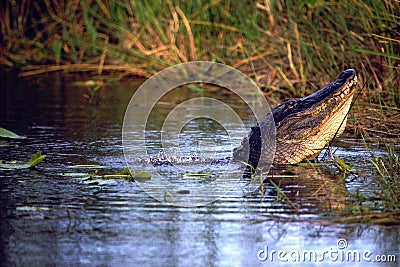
pixel 288 49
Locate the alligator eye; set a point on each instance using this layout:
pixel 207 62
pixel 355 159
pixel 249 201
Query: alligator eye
pixel 290 103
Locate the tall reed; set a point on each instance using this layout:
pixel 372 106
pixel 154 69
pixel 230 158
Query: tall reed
pixel 289 48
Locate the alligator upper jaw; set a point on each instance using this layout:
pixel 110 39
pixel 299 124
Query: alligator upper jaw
pixel 325 101
pixel 338 92
pixel 343 84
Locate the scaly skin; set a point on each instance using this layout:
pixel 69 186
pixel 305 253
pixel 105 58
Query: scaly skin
pixel 304 126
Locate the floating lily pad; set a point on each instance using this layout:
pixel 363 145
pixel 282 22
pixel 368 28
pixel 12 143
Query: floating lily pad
pixel 108 176
pixel 125 171
pixel 32 162
pixel 13 165
pixel 142 176
pixel 94 178
pixel 8 134
pixel 36 159
pixel 89 178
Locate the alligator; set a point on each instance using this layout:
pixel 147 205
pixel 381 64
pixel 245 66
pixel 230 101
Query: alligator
pixel 303 126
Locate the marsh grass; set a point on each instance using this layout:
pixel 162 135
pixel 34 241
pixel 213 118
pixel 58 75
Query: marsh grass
pixel 387 177
pixel 378 199
pixel 287 47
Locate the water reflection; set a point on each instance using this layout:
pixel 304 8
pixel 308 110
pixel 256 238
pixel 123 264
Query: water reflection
pixel 315 185
pixel 50 218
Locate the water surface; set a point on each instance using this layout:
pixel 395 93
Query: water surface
pixel 48 217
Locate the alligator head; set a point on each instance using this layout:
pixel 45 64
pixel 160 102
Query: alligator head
pixel 304 126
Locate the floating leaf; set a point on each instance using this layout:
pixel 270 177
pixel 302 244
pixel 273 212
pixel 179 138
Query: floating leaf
pixel 8 134
pixel 197 175
pixel 107 176
pixel 142 176
pixel 14 165
pixel 78 176
pixel 310 164
pixel 36 159
pixel 128 174
pixel 125 171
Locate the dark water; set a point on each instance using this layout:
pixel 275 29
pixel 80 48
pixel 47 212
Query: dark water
pixel 50 218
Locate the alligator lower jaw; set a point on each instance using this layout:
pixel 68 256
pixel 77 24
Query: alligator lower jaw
pixel 295 151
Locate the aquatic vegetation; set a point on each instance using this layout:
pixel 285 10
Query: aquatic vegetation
pixel 378 199
pixel 96 178
pixel 4 133
pixel 34 160
pixel 197 175
pixel 387 177
pixel 141 176
pixel 375 198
